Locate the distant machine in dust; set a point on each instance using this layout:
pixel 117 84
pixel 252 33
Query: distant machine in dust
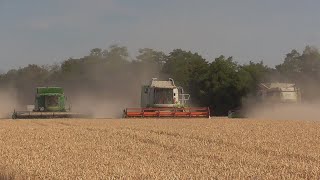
pixel 270 95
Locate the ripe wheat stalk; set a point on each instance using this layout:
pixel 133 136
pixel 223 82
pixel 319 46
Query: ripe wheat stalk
pixel 160 149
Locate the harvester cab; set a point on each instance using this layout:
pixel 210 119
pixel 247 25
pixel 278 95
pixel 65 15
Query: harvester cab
pixel 50 102
pixel 164 99
pixel 163 94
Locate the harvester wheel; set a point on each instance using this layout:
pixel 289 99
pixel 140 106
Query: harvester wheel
pixel 14 116
pixel 124 114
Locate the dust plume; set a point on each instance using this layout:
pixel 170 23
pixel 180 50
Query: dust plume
pixel 305 108
pixel 8 102
pixel 302 111
pixel 101 106
pixel 107 94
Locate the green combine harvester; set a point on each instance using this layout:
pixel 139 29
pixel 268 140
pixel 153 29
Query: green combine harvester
pixel 50 102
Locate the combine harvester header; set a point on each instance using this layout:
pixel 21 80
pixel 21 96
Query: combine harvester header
pixel 165 99
pixel 50 102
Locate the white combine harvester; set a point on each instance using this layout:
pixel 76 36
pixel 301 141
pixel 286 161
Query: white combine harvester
pixel 164 99
pixel 271 95
pixel 278 93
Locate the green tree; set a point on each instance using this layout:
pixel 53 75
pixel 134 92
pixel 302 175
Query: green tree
pixel 117 54
pixel 291 68
pixel 188 70
pixel 225 87
pixel 148 64
pixel 152 56
pixel 310 62
pixel 252 74
pixel 96 52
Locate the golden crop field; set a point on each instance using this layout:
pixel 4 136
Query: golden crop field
pixel 160 149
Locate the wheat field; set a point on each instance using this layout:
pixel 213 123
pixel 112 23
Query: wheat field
pixel 160 149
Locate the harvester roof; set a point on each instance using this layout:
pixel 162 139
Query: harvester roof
pixel 50 90
pixel 279 86
pixel 49 94
pixel 163 84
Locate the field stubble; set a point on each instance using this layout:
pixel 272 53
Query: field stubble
pixel 157 149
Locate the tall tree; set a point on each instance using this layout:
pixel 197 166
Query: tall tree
pixel 117 53
pixel 150 55
pixel 291 68
pixel 189 70
pixel 257 73
pixel 225 87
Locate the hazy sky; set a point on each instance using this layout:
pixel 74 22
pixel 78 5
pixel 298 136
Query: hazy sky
pixel 43 31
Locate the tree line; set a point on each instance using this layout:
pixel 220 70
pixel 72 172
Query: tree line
pixel 219 83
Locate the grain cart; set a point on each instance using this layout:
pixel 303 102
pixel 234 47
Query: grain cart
pixel 164 99
pixel 50 102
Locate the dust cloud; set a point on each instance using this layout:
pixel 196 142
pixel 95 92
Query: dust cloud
pixel 107 96
pixel 301 111
pixel 307 108
pixel 102 90
pixel 101 106
pixel 8 102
